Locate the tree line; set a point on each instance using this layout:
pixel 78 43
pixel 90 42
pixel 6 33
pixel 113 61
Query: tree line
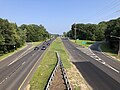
pixel 13 37
pixel 97 32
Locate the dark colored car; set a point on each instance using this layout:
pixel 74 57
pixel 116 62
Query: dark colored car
pixel 48 43
pixel 36 48
pixel 43 48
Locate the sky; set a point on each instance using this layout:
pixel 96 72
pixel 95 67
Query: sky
pixel 58 15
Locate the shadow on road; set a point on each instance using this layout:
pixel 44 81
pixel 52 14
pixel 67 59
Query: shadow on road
pixel 95 77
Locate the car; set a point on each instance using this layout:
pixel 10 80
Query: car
pixel 36 48
pixel 43 48
pixel 48 44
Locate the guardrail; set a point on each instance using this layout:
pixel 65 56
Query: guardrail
pixel 65 76
pixel 51 78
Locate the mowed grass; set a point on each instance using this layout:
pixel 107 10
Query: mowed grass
pixel 84 43
pixel 40 78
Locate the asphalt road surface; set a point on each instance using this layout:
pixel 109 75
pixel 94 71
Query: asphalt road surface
pixel 104 57
pixel 15 56
pixel 15 69
pixel 97 73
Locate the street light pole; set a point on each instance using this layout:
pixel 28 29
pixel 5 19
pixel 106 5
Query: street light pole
pixel 118 45
pixel 14 47
pixel 119 48
pixel 75 32
pixel 69 35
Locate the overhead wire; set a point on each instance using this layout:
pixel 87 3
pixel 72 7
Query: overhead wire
pixel 110 12
pixel 100 13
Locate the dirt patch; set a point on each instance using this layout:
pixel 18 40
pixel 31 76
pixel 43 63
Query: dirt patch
pixel 58 82
pixel 27 87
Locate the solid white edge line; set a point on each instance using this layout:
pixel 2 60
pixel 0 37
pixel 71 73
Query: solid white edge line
pixel 112 68
pixel 104 63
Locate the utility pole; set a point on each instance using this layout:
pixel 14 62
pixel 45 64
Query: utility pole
pixel 118 45
pixel 69 35
pixel 119 48
pixel 75 31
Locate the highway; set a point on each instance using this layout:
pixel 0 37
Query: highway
pixel 99 74
pixel 16 70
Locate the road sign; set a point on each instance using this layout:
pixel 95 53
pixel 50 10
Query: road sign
pixel 83 42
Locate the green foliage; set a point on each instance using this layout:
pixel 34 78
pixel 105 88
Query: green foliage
pixel 87 31
pixel 13 37
pixel 35 33
pixel 98 32
pixel 10 36
pixel 113 29
pixel 40 78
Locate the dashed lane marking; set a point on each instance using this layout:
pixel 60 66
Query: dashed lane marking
pixel 23 63
pixel 12 62
pixel 19 56
pixel 94 56
pixel 2 81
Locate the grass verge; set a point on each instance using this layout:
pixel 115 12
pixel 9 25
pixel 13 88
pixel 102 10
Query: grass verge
pixel 43 72
pixel 84 43
pixel 48 62
pixel 106 49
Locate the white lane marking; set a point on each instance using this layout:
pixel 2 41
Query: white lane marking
pixel 100 59
pixel 2 81
pixel 12 62
pixel 11 74
pixel 103 62
pixel 91 56
pixel 23 63
pixel 112 68
pixel 19 57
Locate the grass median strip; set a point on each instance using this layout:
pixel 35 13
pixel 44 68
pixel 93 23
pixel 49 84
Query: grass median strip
pixel 43 72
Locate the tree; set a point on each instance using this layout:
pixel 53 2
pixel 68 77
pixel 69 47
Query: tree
pixel 34 32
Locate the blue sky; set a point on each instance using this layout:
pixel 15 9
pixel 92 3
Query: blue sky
pixel 58 15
